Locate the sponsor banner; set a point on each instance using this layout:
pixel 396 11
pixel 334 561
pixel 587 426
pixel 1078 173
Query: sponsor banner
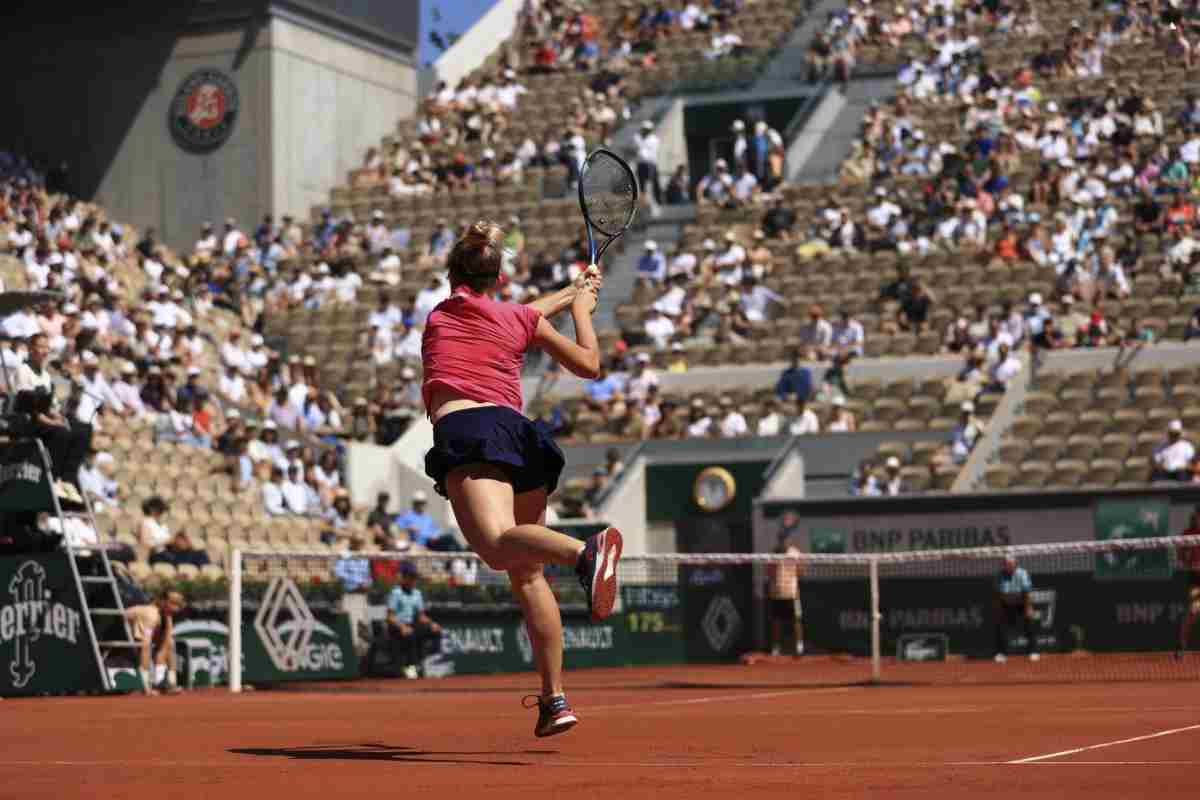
pixel 1072 611
pixel 654 623
pixel 45 647
pixel 966 527
pixel 716 611
pixel 501 644
pixel 922 647
pixel 1133 519
pixel 24 482
pixel 286 641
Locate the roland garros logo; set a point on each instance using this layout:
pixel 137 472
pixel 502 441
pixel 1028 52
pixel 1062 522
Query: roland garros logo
pixel 204 110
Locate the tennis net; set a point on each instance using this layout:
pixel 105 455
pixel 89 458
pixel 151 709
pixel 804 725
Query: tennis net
pixel 1096 610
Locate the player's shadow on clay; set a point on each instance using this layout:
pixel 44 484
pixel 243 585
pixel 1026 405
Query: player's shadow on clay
pixel 375 751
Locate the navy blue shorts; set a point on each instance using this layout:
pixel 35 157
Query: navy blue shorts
pixel 498 435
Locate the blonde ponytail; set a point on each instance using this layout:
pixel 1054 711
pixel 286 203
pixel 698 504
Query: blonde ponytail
pixel 476 257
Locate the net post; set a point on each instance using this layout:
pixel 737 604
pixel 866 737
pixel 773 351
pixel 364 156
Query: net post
pixel 235 621
pixel 876 670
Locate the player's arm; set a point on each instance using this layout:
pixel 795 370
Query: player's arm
pixel 556 302
pixel 581 357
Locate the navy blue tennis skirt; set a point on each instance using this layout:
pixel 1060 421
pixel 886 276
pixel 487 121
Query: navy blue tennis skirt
pixel 524 449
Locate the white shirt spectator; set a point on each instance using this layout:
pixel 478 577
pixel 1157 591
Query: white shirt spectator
pixel 881 215
pixel 757 301
pixel 427 300
pixel 1004 371
pixel 806 423
pixel 385 318
pixel 745 186
pixel 733 425
pixel 849 335
pixel 660 329
pixel 671 303
pixel 771 424
pixel 699 428
pixel 129 396
pixel 230 242
pixel 346 287
pixel 273 502
pixel 816 334
pixel 232 388
pixel 638 385
pixel 296 497
pixel 232 355
pixel 647 147
pixel 734 254
pixel 1174 456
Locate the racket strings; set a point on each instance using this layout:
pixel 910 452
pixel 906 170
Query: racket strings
pixel 609 193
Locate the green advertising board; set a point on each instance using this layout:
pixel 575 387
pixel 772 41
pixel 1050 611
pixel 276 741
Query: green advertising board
pixel 285 641
pixel 45 642
pixel 1132 519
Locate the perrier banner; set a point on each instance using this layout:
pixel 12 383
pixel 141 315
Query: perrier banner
pixel 24 482
pixel 44 642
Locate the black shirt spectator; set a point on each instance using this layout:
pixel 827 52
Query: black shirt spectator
pixel 916 308
pixel 778 220
pixel 899 289
pixel 1147 212
pixel 1049 337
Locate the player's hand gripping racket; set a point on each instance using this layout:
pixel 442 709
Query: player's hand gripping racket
pixel 608 197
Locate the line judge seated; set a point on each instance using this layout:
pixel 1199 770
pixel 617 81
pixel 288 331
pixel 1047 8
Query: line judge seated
pixel 36 397
pixel 1172 459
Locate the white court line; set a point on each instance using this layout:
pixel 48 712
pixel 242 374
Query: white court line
pixel 1157 735
pixel 716 698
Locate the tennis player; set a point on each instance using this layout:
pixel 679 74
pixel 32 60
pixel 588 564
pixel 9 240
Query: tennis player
pixel 496 466
pixel 1189 559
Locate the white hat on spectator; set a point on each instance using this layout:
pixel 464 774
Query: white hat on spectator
pixel 269 425
pixel 292 445
pixel 1035 299
pixel 104 458
pixel 730 236
pixel 760 234
pixel 880 191
pixel 508 73
pixel 642 358
pixel 1068 299
pixel 968 406
pixel 647 125
pixel 514 220
pixel 721 164
pixel 725 401
pixel 893 462
pixel 322 268
pixel 738 125
pixel 310 361
pixel 919 135
pixel 651 244
pixel 377 214
pixel 70 309
pixel 677 348
pixel 55 258
pixel 408 373
pixel 1175 425
pixel 419 496
pixel 176 295
pixel 230 221
pixel 697 402
pixel 709 244
pixel 962 322
pixel 233 413
pixel 760 127
pixel 839 402
pixel 257 340
pixel 1052 107
pixel 89 357
pixel 193 371
pixel 945 148
pixel 128 368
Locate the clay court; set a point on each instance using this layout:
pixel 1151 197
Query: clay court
pixel 720 731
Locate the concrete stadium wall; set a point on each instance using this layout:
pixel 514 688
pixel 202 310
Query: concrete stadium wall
pixel 151 182
pixel 330 101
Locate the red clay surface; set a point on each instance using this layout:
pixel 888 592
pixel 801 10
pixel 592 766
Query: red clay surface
pixel 672 732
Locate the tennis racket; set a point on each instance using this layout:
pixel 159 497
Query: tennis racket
pixel 608 197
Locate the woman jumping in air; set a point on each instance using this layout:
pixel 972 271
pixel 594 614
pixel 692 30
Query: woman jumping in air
pixel 495 465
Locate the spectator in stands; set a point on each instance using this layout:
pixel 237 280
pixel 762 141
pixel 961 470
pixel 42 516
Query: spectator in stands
pixel 379 520
pixel 678 190
pixel 795 381
pixel 639 383
pixel 1014 602
pixel 1007 367
pixel 1171 461
pixel 777 223
pixel 273 500
pixel 646 143
pixel 1049 337
pixel 733 422
pixel 178 551
pixel 816 336
pixel 893 485
pixel 848 334
pixel 678 361
pixel 295 495
pixel 420 526
pixel 354 571
pixel 805 420
pixel 154 533
pixel 842 419
pixel 66 442
pixel 415 635
pixel 96 483
pixel 967 433
pixel 914 312
pixel 153 628
pixel 652 266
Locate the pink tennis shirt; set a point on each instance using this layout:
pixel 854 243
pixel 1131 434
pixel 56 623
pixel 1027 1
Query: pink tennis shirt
pixel 474 347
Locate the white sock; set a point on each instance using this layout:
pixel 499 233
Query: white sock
pixel 172 678
pixel 160 670
pixel 800 648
